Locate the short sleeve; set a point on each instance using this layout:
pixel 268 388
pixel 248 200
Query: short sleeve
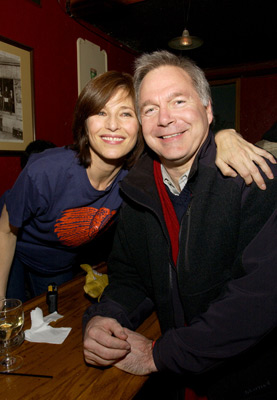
pixel 24 199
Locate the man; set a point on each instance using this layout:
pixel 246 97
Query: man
pixel 197 247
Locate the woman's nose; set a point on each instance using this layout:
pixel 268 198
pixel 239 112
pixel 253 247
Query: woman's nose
pixel 112 123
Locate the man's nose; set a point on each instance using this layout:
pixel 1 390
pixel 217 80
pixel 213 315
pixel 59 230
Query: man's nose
pixel 112 123
pixel 165 116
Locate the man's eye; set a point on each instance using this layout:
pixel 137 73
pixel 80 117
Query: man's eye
pixel 127 114
pixel 180 102
pixel 148 110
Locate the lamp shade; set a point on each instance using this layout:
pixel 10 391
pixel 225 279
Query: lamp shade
pixel 185 42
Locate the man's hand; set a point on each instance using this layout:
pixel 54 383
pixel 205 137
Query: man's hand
pixel 234 154
pixel 139 361
pixel 105 341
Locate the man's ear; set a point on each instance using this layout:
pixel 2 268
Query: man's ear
pixel 209 111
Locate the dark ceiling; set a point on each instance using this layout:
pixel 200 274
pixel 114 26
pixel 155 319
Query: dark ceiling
pixel 234 31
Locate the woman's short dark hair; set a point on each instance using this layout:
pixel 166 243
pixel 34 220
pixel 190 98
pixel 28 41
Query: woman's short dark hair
pixel 91 101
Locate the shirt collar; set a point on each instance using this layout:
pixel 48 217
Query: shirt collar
pixel 169 182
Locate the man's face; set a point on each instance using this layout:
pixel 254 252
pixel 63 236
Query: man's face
pixel 174 121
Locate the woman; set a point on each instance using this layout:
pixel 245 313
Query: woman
pixel 65 197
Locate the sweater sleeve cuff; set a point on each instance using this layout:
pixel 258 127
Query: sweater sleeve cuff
pixel 107 308
pixel 156 356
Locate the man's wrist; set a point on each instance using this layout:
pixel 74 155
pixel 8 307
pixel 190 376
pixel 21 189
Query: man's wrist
pixel 152 365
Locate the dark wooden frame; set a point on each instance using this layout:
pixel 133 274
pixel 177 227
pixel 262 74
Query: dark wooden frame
pixel 16 69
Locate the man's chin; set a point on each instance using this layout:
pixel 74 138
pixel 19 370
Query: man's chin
pixel 174 161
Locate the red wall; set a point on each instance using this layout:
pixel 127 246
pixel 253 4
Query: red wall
pixel 257 98
pixel 258 106
pixel 52 34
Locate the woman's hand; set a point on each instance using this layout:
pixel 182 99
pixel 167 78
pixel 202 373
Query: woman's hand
pixel 236 155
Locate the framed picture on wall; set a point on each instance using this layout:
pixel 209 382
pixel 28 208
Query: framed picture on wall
pixel 17 126
pixel 226 104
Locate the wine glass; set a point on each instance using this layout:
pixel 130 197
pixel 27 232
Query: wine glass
pixel 11 334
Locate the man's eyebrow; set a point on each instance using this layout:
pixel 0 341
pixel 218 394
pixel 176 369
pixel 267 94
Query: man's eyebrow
pixel 170 96
pixel 146 103
pixel 174 94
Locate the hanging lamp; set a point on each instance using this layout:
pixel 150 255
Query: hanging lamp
pixel 185 42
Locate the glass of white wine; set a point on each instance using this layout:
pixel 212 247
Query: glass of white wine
pixel 11 333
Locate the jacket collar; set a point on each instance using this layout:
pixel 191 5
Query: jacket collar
pixel 139 184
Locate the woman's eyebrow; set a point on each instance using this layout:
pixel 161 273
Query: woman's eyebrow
pixel 127 108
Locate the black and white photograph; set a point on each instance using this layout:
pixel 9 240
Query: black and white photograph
pixel 16 96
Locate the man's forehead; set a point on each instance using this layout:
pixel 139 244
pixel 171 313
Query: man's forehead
pixel 169 79
pixel 171 71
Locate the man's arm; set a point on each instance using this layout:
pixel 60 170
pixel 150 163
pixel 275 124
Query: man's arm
pixel 124 304
pixel 105 339
pixel 107 343
pixel 8 237
pixel 234 322
pixel 236 155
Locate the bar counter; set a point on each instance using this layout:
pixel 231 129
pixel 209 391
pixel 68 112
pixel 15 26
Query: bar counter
pixel 69 377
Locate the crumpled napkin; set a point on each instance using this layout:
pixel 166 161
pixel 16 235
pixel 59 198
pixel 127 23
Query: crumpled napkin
pixel 42 332
pixel 95 281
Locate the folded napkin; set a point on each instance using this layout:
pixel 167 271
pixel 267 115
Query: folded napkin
pixel 42 332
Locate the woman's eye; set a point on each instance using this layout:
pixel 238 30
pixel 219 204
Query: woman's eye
pixel 101 113
pixel 127 114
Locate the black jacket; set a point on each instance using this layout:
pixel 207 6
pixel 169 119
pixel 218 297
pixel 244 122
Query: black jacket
pixel 226 269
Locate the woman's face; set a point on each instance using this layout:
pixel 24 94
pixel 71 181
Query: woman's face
pixel 112 133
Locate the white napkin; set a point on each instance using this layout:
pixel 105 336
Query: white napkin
pixel 42 332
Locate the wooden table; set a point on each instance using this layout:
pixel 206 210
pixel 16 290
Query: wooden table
pixel 72 378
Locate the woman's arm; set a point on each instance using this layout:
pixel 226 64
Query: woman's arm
pixel 236 155
pixel 8 237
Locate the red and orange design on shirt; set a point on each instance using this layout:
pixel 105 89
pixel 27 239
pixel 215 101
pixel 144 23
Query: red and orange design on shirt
pixel 78 226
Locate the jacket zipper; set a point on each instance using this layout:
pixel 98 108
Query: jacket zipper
pixel 188 215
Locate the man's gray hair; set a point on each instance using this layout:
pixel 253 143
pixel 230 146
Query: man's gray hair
pixel 149 62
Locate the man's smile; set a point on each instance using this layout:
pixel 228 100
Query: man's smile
pixel 172 135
